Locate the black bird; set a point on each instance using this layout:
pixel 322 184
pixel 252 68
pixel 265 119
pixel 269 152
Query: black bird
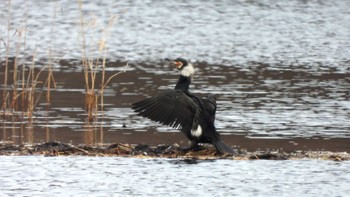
pixel 181 109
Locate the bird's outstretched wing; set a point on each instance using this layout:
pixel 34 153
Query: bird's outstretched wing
pixel 173 108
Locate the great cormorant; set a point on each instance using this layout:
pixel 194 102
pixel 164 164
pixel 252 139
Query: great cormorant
pixel 181 109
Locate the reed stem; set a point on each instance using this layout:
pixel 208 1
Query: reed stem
pixel 95 67
pixel 4 105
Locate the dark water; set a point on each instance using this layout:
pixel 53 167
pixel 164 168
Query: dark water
pixel 107 176
pixel 256 102
pixel 280 70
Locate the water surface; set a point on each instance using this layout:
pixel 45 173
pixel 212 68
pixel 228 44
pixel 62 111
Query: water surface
pixel 110 176
pixel 226 32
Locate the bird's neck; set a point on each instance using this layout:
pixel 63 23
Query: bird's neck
pixel 183 83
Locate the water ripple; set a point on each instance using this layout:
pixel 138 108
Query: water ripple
pixel 94 176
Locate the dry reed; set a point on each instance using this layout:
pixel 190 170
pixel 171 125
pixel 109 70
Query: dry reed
pixel 94 66
pixel 19 95
pixel 5 93
pixel 24 85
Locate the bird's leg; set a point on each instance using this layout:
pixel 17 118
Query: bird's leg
pixel 193 147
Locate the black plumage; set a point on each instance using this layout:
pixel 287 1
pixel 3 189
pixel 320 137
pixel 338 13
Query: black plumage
pixel 180 109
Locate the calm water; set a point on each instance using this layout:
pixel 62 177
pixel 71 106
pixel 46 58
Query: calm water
pixel 227 32
pixel 280 70
pixel 110 176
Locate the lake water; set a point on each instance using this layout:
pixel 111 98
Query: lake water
pixel 239 32
pixel 114 176
pixel 280 70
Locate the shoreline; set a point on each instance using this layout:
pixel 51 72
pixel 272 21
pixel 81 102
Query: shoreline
pixel 173 151
pixel 154 138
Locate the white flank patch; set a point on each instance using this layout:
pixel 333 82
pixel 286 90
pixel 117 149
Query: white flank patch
pixel 187 71
pixel 197 132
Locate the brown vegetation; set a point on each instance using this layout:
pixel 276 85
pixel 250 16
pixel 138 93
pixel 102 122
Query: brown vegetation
pixel 22 89
pixel 93 66
pixel 160 151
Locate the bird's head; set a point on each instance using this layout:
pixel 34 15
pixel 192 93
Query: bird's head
pixel 186 69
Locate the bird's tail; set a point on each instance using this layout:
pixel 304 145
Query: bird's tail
pixel 223 148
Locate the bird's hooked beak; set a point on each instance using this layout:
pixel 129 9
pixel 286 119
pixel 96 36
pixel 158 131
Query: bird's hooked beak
pixel 178 64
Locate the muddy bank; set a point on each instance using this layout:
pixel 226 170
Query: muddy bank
pixel 160 151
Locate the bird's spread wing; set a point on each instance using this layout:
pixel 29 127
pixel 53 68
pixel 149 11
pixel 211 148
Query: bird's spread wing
pixel 174 108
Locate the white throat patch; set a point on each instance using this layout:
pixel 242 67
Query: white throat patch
pixel 187 71
pixel 197 132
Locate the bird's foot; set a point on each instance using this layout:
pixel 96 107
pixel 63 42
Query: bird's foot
pixel 193 148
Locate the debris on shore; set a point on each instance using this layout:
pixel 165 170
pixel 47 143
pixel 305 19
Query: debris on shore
pixel 160 151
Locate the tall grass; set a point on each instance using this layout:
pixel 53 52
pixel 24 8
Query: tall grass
pixel 7 45
pixel 24 85
pixel 20 95
pixel 50 78
pixel 93 66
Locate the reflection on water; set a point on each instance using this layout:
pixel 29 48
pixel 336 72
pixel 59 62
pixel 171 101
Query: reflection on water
pixel 106 176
